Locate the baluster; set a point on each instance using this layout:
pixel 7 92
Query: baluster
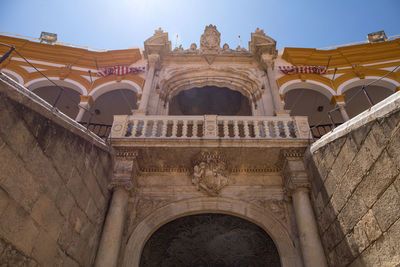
pixel 195 130
pixel 135 125
pixel 144 128
pixel 154 129
pixel 257 129
pixel 174 128
pixel 246 129
pixel 164 128
pixel 226 129
pixel 266 129
pixel 184 129
pixel 236 129
pixel 276 129
pixel 286 128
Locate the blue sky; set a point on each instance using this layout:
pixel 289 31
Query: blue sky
pixel 119 24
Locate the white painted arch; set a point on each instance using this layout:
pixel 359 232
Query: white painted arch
pixel 113 85
pixel 309 84
pixel 290 256
pixel 384 82
pixel 13 75
pixel 42 82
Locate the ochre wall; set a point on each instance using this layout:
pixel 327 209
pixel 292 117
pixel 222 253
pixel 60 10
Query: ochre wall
pixel 53 194
pixel 356 194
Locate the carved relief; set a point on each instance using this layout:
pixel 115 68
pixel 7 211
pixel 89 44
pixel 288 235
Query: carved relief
pixel 209 173
pixel 210 40
pixel 276 207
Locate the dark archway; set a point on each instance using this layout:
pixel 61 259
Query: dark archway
pixel 67 103
pixel 116 102
pixel 210 240
pixel 357 102
pixel 210 100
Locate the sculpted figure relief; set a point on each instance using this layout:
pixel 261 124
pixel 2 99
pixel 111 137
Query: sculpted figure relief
pixel 209 173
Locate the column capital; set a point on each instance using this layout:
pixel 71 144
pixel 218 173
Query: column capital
pixel 154 60
pixel 337 99
pixel 295 177
pixel 125 169
pixel 87 98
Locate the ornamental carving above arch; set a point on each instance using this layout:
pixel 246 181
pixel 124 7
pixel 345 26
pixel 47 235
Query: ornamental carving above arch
pixel 176 79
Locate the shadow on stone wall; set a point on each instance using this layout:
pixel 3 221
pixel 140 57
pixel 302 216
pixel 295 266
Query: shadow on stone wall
pixel 356 194
pixel 53 193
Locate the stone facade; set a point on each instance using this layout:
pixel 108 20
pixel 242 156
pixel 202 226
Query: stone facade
pixel 53 180
pixel 70 199
pixel 356 191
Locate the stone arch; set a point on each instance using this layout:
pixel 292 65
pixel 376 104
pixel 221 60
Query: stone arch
pixel 42 82
pixel 274 228
pixel 14 75
pixel 244 82
pixel 384 82
pixel 113 85
pixel 309 84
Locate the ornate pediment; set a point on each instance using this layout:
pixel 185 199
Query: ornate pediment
pixel 210 173
pixel 210 40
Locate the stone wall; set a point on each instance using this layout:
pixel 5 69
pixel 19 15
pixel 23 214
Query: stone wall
pixel 53 178
pixel 356 188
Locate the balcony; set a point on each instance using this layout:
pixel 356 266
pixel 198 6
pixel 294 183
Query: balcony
pixel 210 127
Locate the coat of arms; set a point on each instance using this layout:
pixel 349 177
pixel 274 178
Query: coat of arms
pixel 209 173
pixel 210 40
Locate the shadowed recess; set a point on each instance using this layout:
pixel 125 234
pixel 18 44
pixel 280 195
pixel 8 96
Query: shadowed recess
pixel 210 240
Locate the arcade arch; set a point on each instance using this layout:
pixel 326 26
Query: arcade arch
pixel 289 255
pixel 112 102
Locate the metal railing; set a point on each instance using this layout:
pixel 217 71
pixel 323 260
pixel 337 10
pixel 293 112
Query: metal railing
pixel 101 130
pixel 319 130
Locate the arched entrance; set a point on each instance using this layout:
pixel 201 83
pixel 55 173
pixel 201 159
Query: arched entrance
pixel 210 240
pixel 210 100
pixel 289 254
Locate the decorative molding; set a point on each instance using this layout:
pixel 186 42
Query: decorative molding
pixel 120 182
pixel 210 40
pixel 210 173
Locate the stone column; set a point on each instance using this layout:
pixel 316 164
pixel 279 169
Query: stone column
pixel 153 60
pixel 274 90
pixel 297 187
pixel 339 101
pixel 84 105
pixel 121 185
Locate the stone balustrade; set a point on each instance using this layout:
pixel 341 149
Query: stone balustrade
pixel 210 127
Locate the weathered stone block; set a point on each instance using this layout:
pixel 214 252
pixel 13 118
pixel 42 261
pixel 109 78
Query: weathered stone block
pixel 46 214
pixel 12 172
pixel 393 148
pixel 387 208
pixel 333 235
pixel 45 250
pixel 17 226
pixel 64 201
pixel 386 250
pixel 352 212
pixel 344 253
pixel 381 175
pixel 360 134
pixel 78 189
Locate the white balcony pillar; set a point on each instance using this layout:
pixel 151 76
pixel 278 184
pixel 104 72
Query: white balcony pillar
pixel 84 105
pixel 339 101
pixel 121 185
pixel 297 186
pixel 153 60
